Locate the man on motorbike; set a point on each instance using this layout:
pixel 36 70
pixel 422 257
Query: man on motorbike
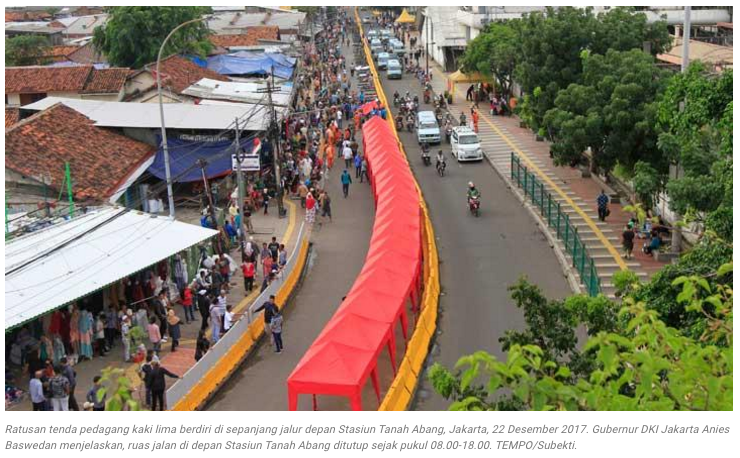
pixel 463 119
pixel 440 160
pixel 473 192
pixel 399 121
pixel 448 130
pixel 396 98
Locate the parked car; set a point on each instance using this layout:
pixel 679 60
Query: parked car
pixel 465 144
pixel 427 129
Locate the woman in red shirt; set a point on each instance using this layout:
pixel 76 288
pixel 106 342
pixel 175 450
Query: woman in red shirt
pixel 187 304
pixel 310 208
pixel 249 271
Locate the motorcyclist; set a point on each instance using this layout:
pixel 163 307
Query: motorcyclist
pixel 440 158
pixel 396 98
pixel 399 121
pixel 448 130
pixel 473 192
pixel 463 119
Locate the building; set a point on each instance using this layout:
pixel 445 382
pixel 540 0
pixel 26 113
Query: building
pixel 38 149
pixel 24 85
pixel 178 73
pixel 83 26
pixel 289 23
pixel 253 36
pixel 718 57
pixel 53 35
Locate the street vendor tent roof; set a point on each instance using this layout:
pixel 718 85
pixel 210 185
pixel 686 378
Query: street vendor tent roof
pixel 50 268
pixel 253 63
pixel 474 77
pixel 184 157
pixel 238 91
pixel 405 18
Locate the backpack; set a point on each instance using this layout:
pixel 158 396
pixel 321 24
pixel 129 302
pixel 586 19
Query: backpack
pixel 57 386
pixel 276 325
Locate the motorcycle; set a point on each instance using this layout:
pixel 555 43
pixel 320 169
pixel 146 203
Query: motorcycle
pixel 474 205
pixel 396 99
pixel 441 166
pixel 425 157
pixel 427 96
pixel 399 123
pixel 410 123
pixel 463 120
pixel 448 133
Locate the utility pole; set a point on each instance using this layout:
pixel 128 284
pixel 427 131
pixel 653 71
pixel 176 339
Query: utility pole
pixel 686 38
pixel 240 184
pixel 274 132
pixel 202 163
pixel 68 178
pixel 427 23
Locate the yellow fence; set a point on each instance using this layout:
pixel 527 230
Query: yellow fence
pixel 229 362
pixel 402 389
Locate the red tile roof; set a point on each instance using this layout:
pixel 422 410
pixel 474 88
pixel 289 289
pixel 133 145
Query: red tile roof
pixel 100 160
pixel 11 116
pixel 179 73
pixel 249 38
pixel 21 16
pixel 60 53
pixel 82 79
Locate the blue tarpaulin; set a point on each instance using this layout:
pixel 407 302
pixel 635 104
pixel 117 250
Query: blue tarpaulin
pixel 184 157
pixel 252 63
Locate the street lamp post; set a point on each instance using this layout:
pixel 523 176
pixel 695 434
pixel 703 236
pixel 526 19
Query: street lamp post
pixel 165 150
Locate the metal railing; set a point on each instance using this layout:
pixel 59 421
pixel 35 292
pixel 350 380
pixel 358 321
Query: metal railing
pixel 199 371
pixel 559 221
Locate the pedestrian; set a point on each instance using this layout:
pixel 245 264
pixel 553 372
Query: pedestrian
pixel 36 391
pixel 602 203
pixel 203 306
pixel 125 339
pixel 173 325
pixel 215 321
pixel 310 208
pixel 224 269
pixel 274 248
pixel 98 402
pixel 71 376
pixel 100 335
pixel 145 371
pixel 282 256
pixel 265 199
pixel 346 181
pixel 628 241
pixel 302 192
pixel 229 318
pixel 363 173
pixel 187 303
pixel 270 310
pixel 248 221
pixel 111 326
pixel 347 155
pixel 248 269
pixel 266 265
pixel 201 345
pixel 358 167
pixel 60 389
pixel 276 327
pixel 158 384
pixel 155 336
pixel 325 202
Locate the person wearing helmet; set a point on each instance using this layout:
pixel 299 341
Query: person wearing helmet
pixel 473 192
pixel 440 158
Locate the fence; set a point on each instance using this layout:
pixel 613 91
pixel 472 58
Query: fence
pixel 215 367
pixel 560 222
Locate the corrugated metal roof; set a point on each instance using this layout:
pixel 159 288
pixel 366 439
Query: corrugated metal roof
pixel 92 258
pixel 176 115
pixel 237 91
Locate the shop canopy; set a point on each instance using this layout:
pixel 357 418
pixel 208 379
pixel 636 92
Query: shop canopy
pixel 253 63
pixel 473 77
pixel 185 157
pixel 405 18
pixel 53 267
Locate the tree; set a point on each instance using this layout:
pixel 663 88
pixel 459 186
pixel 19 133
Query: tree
pixel 613 112
pixel 133 34
pixel 494 52
pixel 641 365
pixel 26 50
pixel 623 28
pixel 695 119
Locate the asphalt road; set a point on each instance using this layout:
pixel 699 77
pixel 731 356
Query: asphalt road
pixel 480 257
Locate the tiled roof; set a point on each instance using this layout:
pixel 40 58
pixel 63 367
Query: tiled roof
pixel 179 73
pixel 82 79
pixel 106 80
pixel 99 159
pixel 11 116
pixel 87 54
pixel 249 38
pixel 20 16
pixel 60 53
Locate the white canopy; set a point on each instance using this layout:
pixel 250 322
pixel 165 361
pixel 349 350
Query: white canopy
pixel 239 91
pixel 52 267
pixel 176 115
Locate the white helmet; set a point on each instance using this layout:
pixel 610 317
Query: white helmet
pixel 470 184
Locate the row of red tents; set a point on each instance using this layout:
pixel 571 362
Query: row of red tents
pixel 346 352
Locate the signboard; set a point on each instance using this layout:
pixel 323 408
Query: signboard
pixel 249 163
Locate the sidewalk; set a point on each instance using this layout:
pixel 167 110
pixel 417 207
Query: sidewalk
pixel 266 226
pixel 500 136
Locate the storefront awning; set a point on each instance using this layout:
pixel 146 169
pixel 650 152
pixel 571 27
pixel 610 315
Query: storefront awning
pixel 50 268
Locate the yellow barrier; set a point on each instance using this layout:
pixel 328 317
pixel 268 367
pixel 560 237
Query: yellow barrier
pixel 228 363
pixel 400 393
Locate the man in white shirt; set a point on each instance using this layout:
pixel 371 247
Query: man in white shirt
pixel 347 155
pixel 339 118
pixel 36 390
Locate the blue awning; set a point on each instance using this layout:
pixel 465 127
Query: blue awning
pixel 184 157
pixel 252 63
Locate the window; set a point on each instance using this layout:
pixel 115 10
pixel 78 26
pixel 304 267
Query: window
pixel 468 139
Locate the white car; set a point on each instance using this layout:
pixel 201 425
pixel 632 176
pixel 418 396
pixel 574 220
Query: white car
pixel 465 144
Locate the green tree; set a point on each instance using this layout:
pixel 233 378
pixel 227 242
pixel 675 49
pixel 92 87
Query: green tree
pixel 695 117
pixel 26 50
pixel 624 28
pixel 613 111
pixel 133 34
pixel 494 52
pixel 641 365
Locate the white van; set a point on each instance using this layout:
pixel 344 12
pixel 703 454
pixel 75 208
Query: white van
pixel 383 58
pixel 465 144
pixel 427 129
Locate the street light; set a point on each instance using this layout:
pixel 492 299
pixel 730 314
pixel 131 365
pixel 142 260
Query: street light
pixel 165 149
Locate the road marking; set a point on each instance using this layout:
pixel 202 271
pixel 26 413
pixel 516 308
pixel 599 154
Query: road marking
pixel 612 250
